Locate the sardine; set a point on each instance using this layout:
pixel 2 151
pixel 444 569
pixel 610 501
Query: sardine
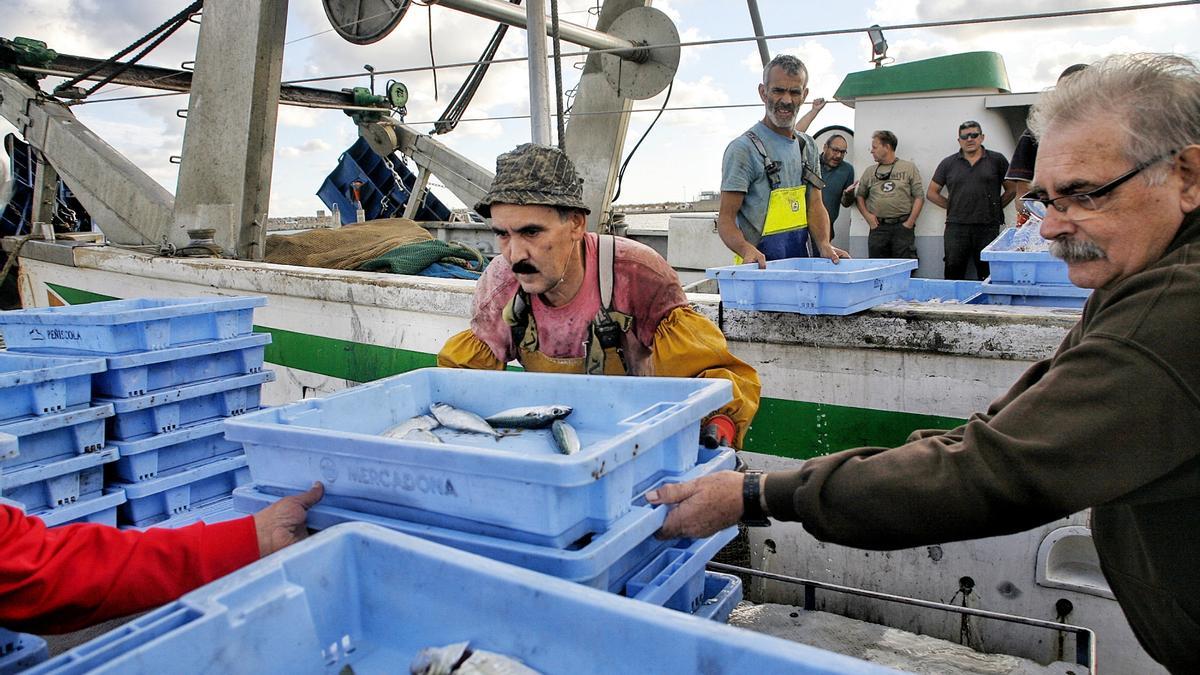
pixel 462 420
pixel 422 435
pixel 426 422
pixel 529 417
pixel 565 437
pixel 439 660
pixel 460 659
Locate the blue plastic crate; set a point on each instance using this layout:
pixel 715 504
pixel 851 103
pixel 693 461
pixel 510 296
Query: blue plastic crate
pixel 940 290
pixel 168 410
pixel 606 561
pixel 8 446
pixel 181 490
pixel 813 285
pixel 1021 267
pixel 144 459
pixel 369 599
pixel 121 326
pixel 631 428
pixel 216 511
pixel 19 651
pixel 58 436
pixel 41 385
pixel 99 509
pixel 56 484
pixel 1037 295
pixel 722 593
pixel 151 371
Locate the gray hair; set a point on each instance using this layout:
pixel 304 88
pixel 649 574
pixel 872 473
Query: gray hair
pixel 1153 99
pixel 790 64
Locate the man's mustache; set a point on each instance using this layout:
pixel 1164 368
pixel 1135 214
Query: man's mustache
pixel 524 268
pixel 1076 250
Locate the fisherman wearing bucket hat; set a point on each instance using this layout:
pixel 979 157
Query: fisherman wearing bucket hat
pixel 560 299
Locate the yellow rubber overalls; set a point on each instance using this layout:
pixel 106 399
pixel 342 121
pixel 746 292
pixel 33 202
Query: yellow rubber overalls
pixel 785 232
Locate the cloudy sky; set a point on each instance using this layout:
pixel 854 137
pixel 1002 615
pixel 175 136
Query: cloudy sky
pixel 682 155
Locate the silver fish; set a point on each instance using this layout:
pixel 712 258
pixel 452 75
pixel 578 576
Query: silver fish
pixel 565 437
pixel 529 417
pixel 426 422
pixel 462 420
pixel 422 435
pixel 460 659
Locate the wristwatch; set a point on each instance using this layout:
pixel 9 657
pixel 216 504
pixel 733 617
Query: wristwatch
pixel 753 513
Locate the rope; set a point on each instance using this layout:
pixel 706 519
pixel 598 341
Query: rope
pixel 558 89
pixel 458 105
pixel 12 257
pixel 170 25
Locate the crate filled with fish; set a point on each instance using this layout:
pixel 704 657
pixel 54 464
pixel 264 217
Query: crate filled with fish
pixel 561 457
pixel 362 599
pixel 124 326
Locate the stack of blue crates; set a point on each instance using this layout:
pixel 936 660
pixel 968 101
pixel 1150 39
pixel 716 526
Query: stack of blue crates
pixel 172 370
pixel 20 651
pixel 515 498
pixel 1033 278
pixel 52 439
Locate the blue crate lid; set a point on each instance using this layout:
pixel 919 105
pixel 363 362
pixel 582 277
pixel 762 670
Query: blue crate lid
pixel 360 596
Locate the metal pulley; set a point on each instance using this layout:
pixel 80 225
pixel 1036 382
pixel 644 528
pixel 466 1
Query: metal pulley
pixel 364 21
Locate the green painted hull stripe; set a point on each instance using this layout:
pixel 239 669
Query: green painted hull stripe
pixel 798 429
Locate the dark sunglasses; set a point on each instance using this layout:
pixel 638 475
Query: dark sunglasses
pixel 969 135
pixel 1087 200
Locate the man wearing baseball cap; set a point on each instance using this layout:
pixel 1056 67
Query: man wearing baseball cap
pixel 560 299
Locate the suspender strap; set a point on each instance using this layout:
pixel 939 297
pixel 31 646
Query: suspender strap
pixel 770 166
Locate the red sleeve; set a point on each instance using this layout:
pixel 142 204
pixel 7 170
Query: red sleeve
pixel 60 580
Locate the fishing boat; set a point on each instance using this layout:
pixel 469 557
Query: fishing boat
pixel 829 382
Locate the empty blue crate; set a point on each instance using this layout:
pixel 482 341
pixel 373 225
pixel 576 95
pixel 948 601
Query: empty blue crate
pixel 631 429
pixel 215 511
pixel 304 610
pixel 40 385
pixel 120 326
pixel 145 372
pixel 171 409
pixel 940 290
pixel 1007 266
pixel 56 484
pixel 607 560
pixel 100 509
pixel 145 458
pixel 181 490
pixel 722 593
pixel 1035 295
pixel 813 285
pixel 19 651
pixel 56 436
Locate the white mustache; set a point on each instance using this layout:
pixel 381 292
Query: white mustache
pixel 1074 250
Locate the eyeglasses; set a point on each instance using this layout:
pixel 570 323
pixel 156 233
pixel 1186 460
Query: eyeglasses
pixel 836 151
pixel 969 135
pixel 1088 200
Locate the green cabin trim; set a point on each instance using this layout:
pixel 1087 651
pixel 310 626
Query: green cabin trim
pixel 973 70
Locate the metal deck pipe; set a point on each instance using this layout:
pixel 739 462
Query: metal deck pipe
pixel 514 15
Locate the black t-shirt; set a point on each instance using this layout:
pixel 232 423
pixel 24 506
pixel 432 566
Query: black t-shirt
pixel 974 190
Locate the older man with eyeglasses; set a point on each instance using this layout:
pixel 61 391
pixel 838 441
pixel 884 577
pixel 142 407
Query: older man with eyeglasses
pixel 1111 422
pixel 976 196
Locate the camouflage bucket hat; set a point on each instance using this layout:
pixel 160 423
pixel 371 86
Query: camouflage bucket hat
pixel 536 175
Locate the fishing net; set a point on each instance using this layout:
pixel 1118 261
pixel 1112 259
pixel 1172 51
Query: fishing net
pixel 344 248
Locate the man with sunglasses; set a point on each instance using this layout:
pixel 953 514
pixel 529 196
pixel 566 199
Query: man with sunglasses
pixel 890 200
pixel 1110 422
pixel 974 180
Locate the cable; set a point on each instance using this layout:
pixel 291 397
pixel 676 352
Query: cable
pixel 558 89
pixel 466 92
pixel 791 36
pixel 432 62
pixel 621 173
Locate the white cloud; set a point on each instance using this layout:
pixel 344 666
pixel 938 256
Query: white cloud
pixel 298 117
